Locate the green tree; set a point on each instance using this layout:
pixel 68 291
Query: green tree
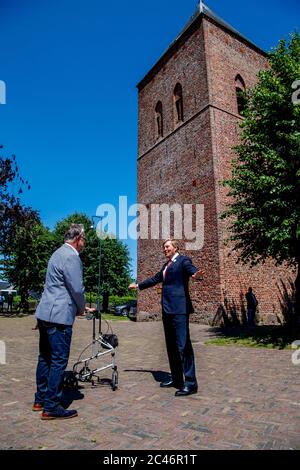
pixel 115 272
pixel 14 219
pixel 265 184
pixel 115 259
pixel 27 264
pixel 12 213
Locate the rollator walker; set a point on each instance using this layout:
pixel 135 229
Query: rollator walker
pixel 103 346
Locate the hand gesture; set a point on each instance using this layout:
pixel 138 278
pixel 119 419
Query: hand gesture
pixel 90 310
pixel 133 286
pixel 198 276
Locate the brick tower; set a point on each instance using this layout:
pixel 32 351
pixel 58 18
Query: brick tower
pixel 189 120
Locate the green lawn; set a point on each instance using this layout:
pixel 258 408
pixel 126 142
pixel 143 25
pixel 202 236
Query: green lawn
pixel 112 317
pixel 247 342
pixel 273 337
pixel 104 316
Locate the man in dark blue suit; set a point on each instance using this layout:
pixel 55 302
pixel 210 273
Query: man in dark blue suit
pixel 176 307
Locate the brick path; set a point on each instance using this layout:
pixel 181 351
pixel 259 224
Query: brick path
pixel 248 398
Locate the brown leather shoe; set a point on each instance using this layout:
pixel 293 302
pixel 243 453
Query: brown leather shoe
pixel 37 407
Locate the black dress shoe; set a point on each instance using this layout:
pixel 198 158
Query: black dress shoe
pixel 184 391
pixel 170 383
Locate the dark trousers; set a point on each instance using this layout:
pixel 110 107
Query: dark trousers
pixel 251 316
pixel 55 342
pixel 179 349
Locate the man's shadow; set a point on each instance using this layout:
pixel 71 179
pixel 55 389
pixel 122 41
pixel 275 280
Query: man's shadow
pixel 158 375
pixel 71 391
pixel 69 395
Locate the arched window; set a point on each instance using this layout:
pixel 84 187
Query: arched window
pixel 159 120
pixel 240 87
pixel 178 103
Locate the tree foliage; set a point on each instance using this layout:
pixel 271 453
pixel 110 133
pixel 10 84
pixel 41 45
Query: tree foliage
pixel 265 184
pixel 115 275
pixel 27 264
pixel 17 224
pixel 12 213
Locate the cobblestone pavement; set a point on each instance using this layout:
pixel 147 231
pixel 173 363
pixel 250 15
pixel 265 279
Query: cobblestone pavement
pixel 247 399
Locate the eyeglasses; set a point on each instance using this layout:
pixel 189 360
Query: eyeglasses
pixel 81 236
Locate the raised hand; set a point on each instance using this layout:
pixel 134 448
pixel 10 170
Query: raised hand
pixel 90 310
pixel 198 276
pixel 133 286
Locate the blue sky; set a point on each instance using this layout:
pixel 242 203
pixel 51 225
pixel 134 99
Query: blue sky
pixel 71 70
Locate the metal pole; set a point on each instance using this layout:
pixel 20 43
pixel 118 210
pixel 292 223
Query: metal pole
pixel 94 329
pixel 99 278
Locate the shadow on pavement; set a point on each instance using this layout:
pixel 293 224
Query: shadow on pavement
pixel 158 375
pixel 69 396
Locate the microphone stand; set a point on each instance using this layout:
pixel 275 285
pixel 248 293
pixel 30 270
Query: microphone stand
pixel 98 311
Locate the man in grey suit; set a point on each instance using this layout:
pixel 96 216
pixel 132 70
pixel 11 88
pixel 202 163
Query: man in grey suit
pixel 63 298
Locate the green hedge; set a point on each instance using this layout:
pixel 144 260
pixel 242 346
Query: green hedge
pixel 17 299
pixel 113 299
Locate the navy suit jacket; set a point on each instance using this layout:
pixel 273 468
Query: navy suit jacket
pixel 175 287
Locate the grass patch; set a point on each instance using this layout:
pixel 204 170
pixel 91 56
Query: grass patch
pixel 246 342
pixel 20 314
pixel 276 337
pixel 112 317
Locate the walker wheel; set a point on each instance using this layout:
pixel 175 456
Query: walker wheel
pixel 83 377
pixel 70 381
pixel 114 381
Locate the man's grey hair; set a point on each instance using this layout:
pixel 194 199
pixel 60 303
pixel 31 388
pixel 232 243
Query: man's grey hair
pixel 74 231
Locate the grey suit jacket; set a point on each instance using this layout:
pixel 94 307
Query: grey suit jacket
pixel 64 294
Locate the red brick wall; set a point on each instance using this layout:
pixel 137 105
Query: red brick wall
pixel 187 164
pixel 226 57
pixel 167 174
pixel 187 66
pixel 178 168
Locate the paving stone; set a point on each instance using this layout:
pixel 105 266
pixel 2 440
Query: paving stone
pixel 247 399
